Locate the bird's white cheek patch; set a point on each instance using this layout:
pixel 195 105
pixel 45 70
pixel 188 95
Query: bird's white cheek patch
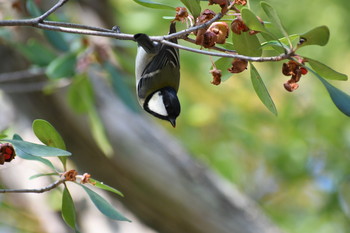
pixel 156 104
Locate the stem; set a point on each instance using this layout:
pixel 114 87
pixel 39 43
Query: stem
pixel 40 190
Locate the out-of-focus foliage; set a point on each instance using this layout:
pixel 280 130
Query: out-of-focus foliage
pixel 292 164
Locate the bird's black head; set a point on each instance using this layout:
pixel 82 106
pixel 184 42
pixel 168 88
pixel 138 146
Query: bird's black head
pixel 164 104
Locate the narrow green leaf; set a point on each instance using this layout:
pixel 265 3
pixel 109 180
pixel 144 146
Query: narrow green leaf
pixel 101 185
pixel 99 133
pixel 261 90
pixel 121 87
pixel 26 156
pixel 154 5
pixel 81 98
pixel 17 137
pixel 250 19
pixel 57 40
pixel 43 174
pixel 36 149
pixel 316 36
pixel 47 134
pixel 30 51
pixel 193 6
pixel 103 206
pixel 274 18
pixel 68 209
pixel 325 71
pixel 246 44
pixel 62 67
pixel 339 98
pixel 80 94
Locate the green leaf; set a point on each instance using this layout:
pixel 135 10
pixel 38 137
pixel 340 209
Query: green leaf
pixel 57 40
pixel 68 209
pixel 81 98
pixel 246 44
pixel 339 98
pixel 103 206
pixel 62 67
pixel 36 149
pixel 274 18
pixel 80 94
pixel 30 51
pixel 120 86
pixel 325 71
pixel 98 132
pixel 261 90
pixel 250 19
pixel 316 36
pixel 26 156
pixel 47 134
pixel 193 6
pixel 154 5
pixel 101 185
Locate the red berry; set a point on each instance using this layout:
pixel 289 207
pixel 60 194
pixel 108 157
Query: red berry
pixel 303 70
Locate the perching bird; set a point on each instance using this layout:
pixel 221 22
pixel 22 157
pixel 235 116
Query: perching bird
pixel 157 72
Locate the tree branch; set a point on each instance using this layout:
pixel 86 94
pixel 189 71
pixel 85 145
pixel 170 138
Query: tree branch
pixel 40 190
pixel 40 22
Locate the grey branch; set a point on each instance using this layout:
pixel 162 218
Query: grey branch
pixel 40 190
pixel 40 22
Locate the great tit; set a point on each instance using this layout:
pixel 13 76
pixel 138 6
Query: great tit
pixel 157 72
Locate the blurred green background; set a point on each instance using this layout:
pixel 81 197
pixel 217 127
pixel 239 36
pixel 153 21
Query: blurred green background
pixel 296 165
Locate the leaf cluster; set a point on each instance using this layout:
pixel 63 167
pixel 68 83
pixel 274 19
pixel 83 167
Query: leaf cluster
pixel 54 146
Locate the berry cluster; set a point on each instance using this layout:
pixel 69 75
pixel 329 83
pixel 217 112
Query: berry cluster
pixel 7 153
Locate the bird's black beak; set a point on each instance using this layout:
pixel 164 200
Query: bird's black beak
pixel 173 122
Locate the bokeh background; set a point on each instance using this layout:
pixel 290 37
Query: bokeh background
pixel 296 165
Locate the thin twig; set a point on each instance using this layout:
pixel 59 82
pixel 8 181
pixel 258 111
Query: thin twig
pixel 23 74
pixel 229 55
pixel 51 10
pixel 40 190
pixel 41 23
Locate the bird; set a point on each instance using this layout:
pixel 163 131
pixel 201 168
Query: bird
pixel 157 71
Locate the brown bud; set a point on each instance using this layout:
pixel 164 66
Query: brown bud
pixel 216 76
pixel 238 66
pixel 70 175
pixel 86 178
pixel 285 69
pixel 209 39
pixel 237 26
pixel 223 4
pixel 221 31
pixel 205 16
pixel 241 2
pixel 181 14
pixel 290 86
